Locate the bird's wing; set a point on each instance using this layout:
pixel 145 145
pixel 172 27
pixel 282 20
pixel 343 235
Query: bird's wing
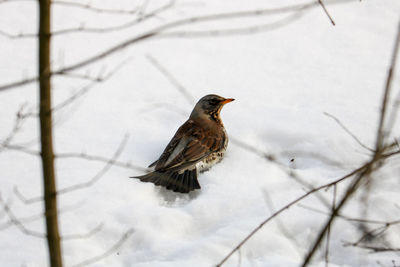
pixel 190 144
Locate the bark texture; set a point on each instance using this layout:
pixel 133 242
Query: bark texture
pixel 46 135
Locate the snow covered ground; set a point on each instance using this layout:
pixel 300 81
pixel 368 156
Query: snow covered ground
pixel 283 80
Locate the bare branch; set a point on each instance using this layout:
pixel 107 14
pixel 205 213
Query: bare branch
pixel 175 24
pixel 85 89
pixel 183 90
pixel 348 131
pixel 141 18
pixel 377 157
pixel 328 238
pixel 348 218
pixel 126 165
pixel 17 223
pixel 107 253
pixel 381 129
pixel 289 236
pixel 349 192
pixel 326 12
pixel 92 232
pixel 30 218
pixel 21 149
pixel 235 31
pixel 17 36
pixel 99 174
pixel 19 120
pixel 109 163
pixel 377 249
pixel 162 105
pixel 92 8
pixel 361 169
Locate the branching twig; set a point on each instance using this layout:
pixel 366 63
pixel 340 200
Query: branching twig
pixel 171 25
pixel 92 8
pixel 14 220
pixel 83 29
pixel 19 120
pixel 109 163
pixel 375 160
pixel 100 174
pixel 348 218
pixel 22 149
pixel 348 131
pixel 290 204
pixel 141 18
pixel 84 90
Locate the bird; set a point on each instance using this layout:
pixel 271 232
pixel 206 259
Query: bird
pixel 196 146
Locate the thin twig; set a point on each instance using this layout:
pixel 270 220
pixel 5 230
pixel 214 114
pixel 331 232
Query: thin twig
pixel 348 218
pixel 348 131
pixel 326 12
pixel 86 88
pixel 92 8
pixel 14 220
pixel 21 149
pixel 290 204
pixel 289 236
pixel 100 174
pixel 328 237
pixel 224 32
pixel 92 232
pixel 377 249
pixel 107 253
pixel 349 192
pixel 182 89
pixel 171 25
pixel 109 163
pixel 19 120
pixel 141 18
pixel 84 29
pixel 377 157
pixel 388 85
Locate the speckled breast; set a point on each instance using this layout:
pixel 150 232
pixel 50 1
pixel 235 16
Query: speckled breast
pixel 213 158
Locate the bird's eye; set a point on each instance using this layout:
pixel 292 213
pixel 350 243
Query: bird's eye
pixel 214 102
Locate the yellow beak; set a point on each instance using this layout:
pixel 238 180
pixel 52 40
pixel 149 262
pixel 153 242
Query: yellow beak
pixel 227 100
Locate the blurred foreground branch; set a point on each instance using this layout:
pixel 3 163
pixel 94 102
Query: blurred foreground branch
pixel 109 163
pixel 380 154
pixel 376 160
pixel 162 29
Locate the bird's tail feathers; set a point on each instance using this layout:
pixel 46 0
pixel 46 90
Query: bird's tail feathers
pixel 173 180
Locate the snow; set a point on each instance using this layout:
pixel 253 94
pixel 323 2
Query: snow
pixel 283 82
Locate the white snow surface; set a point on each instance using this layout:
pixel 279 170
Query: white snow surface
pixel 283 80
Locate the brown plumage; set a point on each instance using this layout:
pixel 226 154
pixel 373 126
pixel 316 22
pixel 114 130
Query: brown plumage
pixel 197 145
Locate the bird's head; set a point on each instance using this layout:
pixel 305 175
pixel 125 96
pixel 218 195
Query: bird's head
pixel 210 105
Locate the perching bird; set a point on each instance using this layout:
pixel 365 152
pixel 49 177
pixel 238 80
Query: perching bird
pixel 197 145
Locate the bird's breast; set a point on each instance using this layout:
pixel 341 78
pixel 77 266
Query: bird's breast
pixel 214 157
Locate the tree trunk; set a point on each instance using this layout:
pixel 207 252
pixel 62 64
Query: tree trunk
pixel 46 135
